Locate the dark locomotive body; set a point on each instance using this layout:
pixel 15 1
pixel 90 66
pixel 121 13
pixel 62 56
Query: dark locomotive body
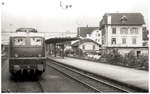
pixel 27 54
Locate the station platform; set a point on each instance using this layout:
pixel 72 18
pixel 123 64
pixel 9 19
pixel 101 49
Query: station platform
pixel 133 77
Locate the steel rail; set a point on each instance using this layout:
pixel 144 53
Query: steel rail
pixel 41 87
pixel 90 77
pixel 91 87
pixel 101 81
pixel 18 84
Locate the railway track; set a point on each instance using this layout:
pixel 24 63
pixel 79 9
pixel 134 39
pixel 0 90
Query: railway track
pixel 19 83
pixel 91 82
pixel 24 88
pixel 41 87
pixel 29 86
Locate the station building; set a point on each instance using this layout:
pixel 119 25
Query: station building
pixel 86 45
pixel 124 32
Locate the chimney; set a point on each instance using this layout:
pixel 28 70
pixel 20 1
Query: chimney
pixel 109 19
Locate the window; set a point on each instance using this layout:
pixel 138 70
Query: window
pixel 113 30
pixel 145 43
pixel 133 40
pixel 138 53
pixel 83 46
pixel 123 31
pixel 93 47
pixel 123 19
pixel 134 30
pixel 99 35
pixel 26 30
pixel 123 40
pixel 36 41
pixel 113 41
pixel 19 41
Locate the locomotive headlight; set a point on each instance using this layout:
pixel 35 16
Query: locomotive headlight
pixel 16 67
pixel 40 67
pixel 16 55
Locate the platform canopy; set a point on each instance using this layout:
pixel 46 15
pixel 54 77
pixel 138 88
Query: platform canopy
pixel 60 39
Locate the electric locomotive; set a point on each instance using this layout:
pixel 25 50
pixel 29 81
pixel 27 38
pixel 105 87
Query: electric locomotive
pixel 27 52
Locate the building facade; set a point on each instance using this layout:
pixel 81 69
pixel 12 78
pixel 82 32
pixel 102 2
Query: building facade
pixel 123 31
pixel 86 45
pixel 91 33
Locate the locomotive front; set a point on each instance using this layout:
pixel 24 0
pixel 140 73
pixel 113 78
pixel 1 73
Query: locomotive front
pixel 27 54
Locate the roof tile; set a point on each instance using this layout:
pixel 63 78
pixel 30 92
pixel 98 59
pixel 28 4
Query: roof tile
pixel 83 31
pixel 132 18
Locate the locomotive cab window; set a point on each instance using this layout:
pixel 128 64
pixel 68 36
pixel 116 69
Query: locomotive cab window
pixel 36 41
pixel 19 41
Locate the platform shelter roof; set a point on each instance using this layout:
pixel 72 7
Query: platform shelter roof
pixel 60 39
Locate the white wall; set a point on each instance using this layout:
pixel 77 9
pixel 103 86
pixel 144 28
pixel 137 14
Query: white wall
pixel 94 36
pixel 89 46
pixel 128 37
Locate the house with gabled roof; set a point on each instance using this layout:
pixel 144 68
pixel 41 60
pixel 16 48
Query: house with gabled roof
pixel 123 31
pixel 86 45
pixel 90 32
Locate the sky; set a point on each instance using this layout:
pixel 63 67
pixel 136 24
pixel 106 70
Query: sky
pixel 48 16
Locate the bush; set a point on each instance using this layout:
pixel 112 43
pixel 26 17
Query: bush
pixel 114 57
pixel 138 62
pixel 78 52
pixel 129 60
pixel 143 62
pixel 68 52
